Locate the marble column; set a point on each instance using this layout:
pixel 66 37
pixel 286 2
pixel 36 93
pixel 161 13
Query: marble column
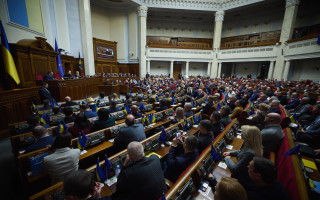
pixel 271 68
pixel 233 68
pixel 142 13
pixel 148 66
pixel 219 69
pixel 86 34
pixel 171 69
pixel 187 68
pixel 219 16
pixel 286 34
pixel 208 69
pixel 286 70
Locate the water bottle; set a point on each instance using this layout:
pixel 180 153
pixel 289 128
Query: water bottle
pixel 117 171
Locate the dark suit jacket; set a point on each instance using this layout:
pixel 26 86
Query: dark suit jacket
pixel 69 119
pixel 41 143
pixel 137 115
pixel 48 77
pixel 67 76
pixel 112 110
pixel 90 114
pixel 70 103
pixel 204 140
pixel 217 129
pixel 101 124
pixel 283 100
pixel 44 93
pixel 161 108
pixel 207 107
pixel 129 134
pixel 275 110
pixel 142 180
pixel 240 170
pixel 292 104
pixel 178 161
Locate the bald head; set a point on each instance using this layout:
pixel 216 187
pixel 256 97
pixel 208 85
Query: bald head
pixel 273 118
pixel 129 120
pixel 134 109
pixel 67 98
pixel 135 151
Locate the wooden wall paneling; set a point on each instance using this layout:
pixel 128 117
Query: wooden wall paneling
pixel 40 64
pixel 27 69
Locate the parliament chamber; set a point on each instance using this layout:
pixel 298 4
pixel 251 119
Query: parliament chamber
pixel 141 99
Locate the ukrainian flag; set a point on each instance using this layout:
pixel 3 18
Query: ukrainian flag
pixel 251 109
pixel 99 173
pixel 153 118
pixel 82 140
pixel 9 65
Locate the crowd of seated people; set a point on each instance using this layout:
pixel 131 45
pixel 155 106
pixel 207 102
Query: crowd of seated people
pixel 263 136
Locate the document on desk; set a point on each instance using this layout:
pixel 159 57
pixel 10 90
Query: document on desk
pixel 229 147
pixel 309 164
pixel 223 165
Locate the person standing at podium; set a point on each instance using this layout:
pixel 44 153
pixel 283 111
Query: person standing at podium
pixel 68 75
pixel 44 93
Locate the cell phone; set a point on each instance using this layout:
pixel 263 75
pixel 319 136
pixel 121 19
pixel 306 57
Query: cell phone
pixel 204 186
pixel 178 135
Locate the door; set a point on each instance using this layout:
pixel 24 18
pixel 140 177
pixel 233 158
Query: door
pixel 176 70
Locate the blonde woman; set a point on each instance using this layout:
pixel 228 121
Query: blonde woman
pixel 228 189
pixel 179 115
pixel 115 97
pixel 252 147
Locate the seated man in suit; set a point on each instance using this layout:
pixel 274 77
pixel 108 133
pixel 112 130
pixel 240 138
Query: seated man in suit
pixel 43 139
pixel 272 133
pixel 282 98
pixel 133 132
pixel 225 111
pixel 88 112
pixel 183 152
pixel 49 76
pixel 56 110
pixel 135 112
pixel 311 129
pixel 200 94
pixel 302 108
pixel 237 110
pixel 46 105
pixel 68 75
pixel 217 126
pixel 188 110
pixel 69 102
pixel 141 177
pixel 244 101
pixel 113 107
pixel 275 107
pixel 294 102
pixel 44 93
pixel 68 112
pixel 205 135
pixel 33 120
pixel 162 106
pixel 140 101
pixel 232 101
pixel 81 184
pixel 263 182
pixel 104 121
pixel 263 99
pixel 207 107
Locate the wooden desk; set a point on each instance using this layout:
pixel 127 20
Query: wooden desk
pixel 109 89
pixel 75 88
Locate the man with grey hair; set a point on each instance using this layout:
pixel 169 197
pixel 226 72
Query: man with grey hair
pixel 140 177
pixel 187 110
pixel 232 101
pixel 43 139
pixel 275 107
pixel 69 102
pixel 272 99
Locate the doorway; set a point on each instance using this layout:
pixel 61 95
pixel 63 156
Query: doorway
pixel 176 70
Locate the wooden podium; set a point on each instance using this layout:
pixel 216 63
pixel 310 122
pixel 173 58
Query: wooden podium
pixel 75 88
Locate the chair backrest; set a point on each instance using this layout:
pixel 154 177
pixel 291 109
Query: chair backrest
pixel 39 77
pixel 82 74
pixel 58 76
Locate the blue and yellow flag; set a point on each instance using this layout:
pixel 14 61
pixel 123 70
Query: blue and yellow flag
pixel 251 109
pixel 157 99
pixel 44 119
pixel 59 64
pixel 194 119
pixel 143 120
pixel 153 118
pixel 293 118
pixel 127 110
pixel 62 128
pixel 82 140
pixel 148 120
pixel 172 101
pixel 9 64
pixel 95 108
pixel 214 154
pixel 99 173
pixel 80 63
pixel 107 166
pixel 163 136
pixel 218 106
pixel 141 107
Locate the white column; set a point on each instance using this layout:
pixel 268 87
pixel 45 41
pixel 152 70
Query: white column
pixel 208 69
pixel 148 67
pixel 187 68
pixel 270 73
pixel 219 16
pixel 259 69
pixel 86 34
pixel 62 25
pixel 142 13
pixel 233 69
pixel 219 69
pixel 286 34
pixel 286 70
pixel 171 69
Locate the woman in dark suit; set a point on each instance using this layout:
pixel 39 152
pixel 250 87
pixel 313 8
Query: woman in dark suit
pixel 104 121
pixel 252 147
